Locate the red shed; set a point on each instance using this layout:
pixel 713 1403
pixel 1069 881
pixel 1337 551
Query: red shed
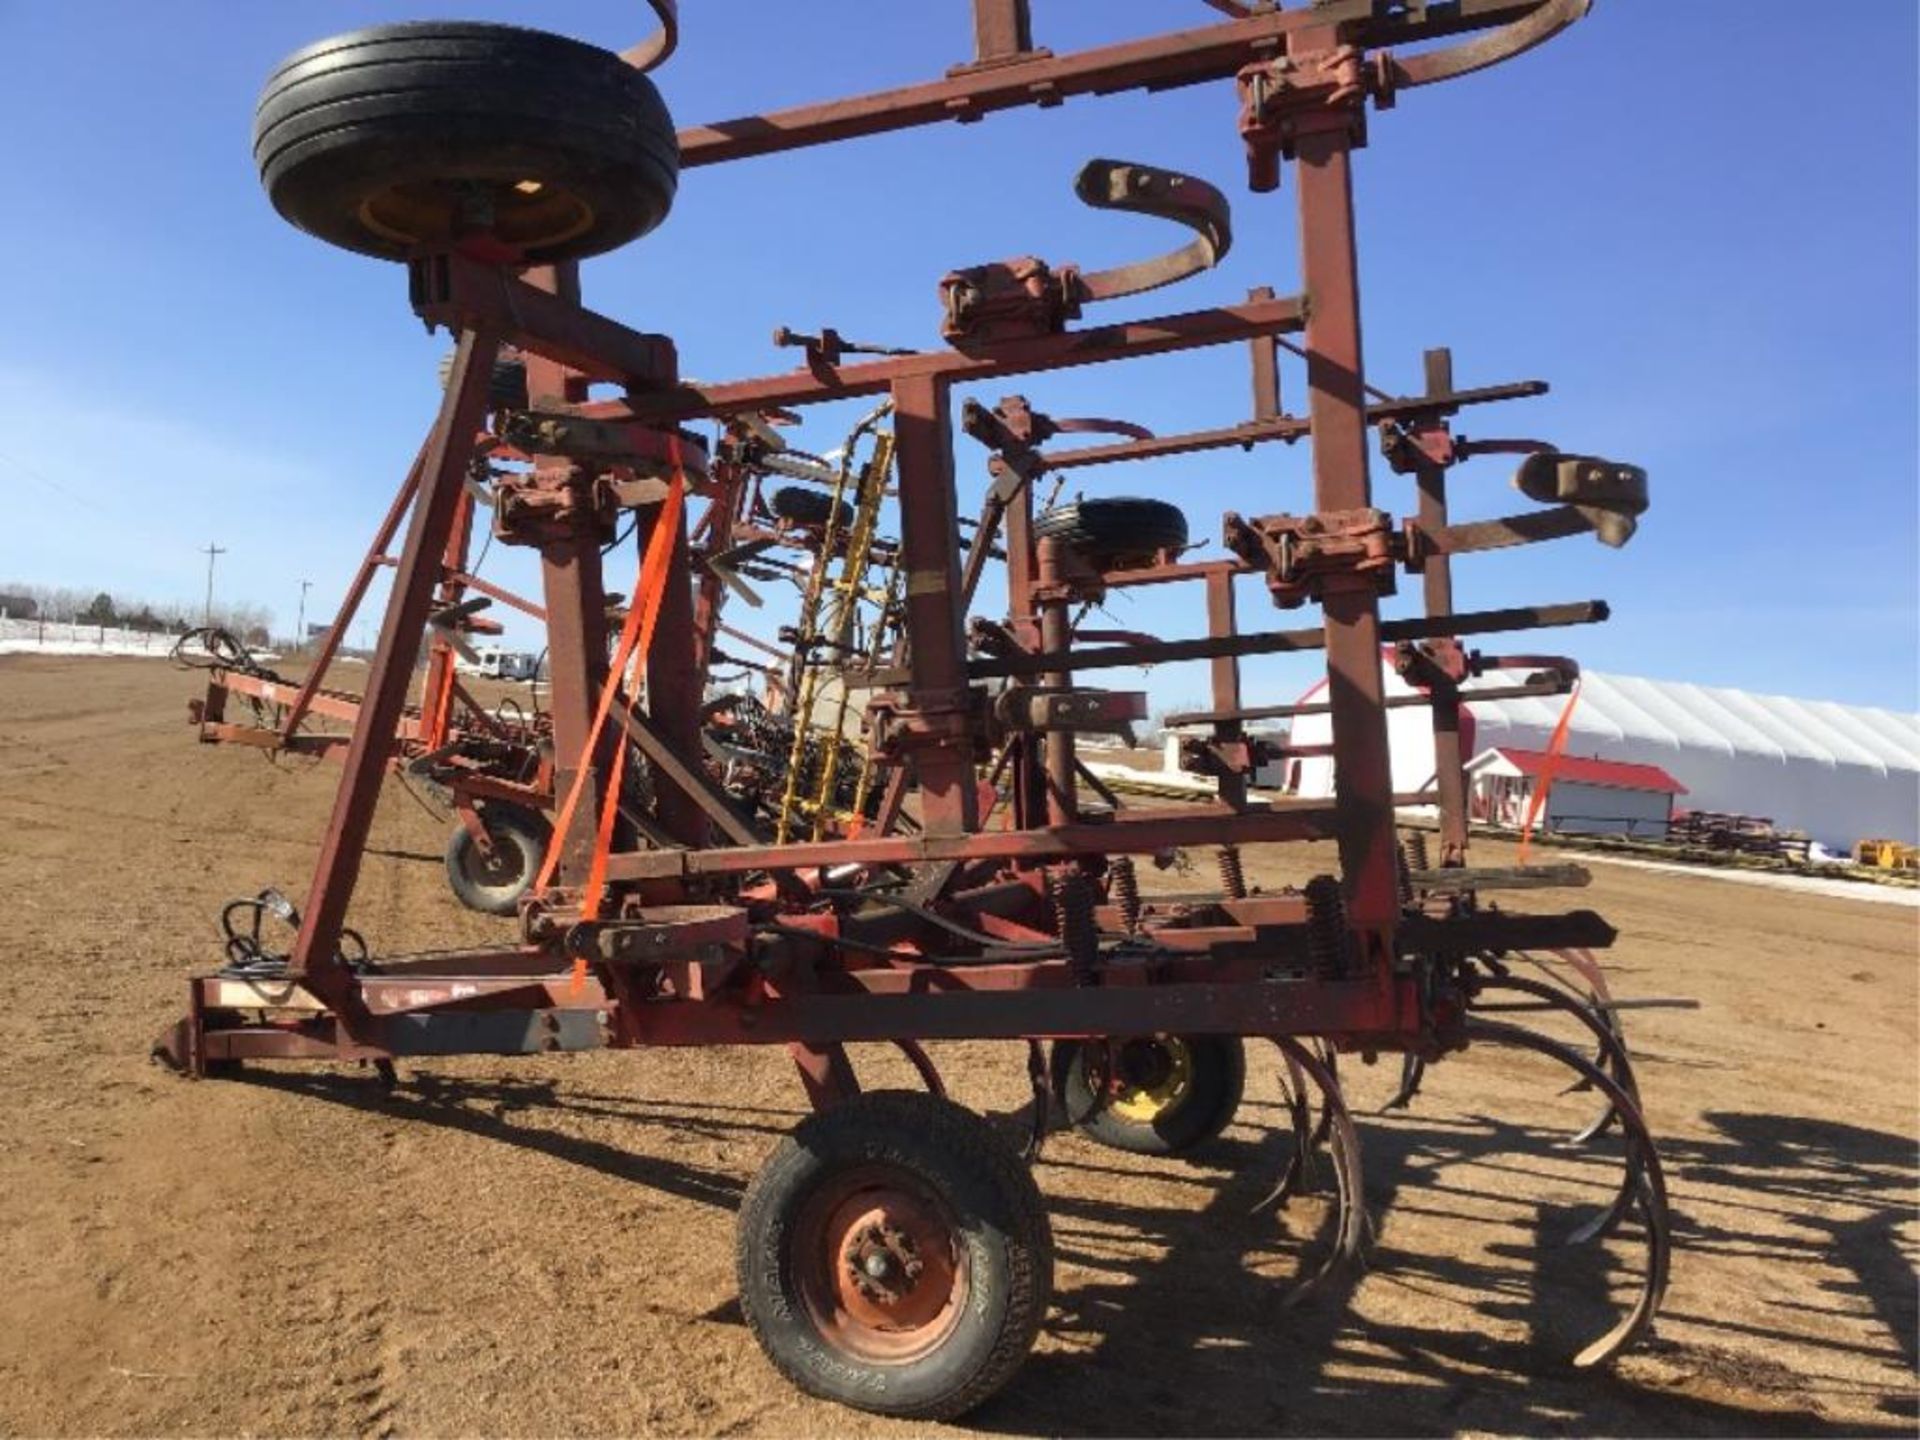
pixel 1589 795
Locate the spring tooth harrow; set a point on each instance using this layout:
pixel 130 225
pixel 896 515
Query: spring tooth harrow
pixel 894 1253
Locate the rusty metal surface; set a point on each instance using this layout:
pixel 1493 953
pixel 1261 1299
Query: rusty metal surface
pixel 982 894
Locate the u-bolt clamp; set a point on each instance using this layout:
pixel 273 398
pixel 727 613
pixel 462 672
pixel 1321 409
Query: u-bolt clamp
pixel 1289 96
pixel 1025 297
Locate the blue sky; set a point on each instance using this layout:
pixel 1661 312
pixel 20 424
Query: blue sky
pixel 1697 225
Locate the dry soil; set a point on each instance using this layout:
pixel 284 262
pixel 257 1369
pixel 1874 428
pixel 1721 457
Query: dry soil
pixel 546 1246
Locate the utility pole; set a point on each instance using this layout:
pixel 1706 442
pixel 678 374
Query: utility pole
pixel 211 552
pixel 300 624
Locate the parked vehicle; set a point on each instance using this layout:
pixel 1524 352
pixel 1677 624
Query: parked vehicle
pixel 496 663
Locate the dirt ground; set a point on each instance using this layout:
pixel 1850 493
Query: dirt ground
pixel 546 1246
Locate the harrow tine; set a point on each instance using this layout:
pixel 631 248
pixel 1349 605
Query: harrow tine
pixel 923 1065
pixel 1330 1058
pixel 1299 1171
pixel 1646 1183
pixel 1611 1052
pixel 1413 1070
pixel 1596 995
pixel 1606 1118
pixel 1042 1100
pixel 1350 1224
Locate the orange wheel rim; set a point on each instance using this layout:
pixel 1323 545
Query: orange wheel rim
pixel 427 212
pixel 879 1265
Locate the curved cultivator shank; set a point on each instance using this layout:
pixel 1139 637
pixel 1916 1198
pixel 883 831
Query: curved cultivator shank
pixel 1644 1184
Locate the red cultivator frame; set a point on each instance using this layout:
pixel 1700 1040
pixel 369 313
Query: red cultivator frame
pixel 895 1255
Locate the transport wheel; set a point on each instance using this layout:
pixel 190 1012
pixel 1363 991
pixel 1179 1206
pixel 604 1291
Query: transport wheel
pixel 1115 533
pixel 807 507
pixel 405 137
pixel 493 884
pixel 894 1255
pixel 1150 1094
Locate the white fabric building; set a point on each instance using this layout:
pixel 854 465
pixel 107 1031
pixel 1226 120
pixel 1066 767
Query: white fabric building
pixel 1841 773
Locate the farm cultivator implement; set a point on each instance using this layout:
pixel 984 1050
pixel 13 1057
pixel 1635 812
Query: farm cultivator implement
pixel 493 766
pixel 894 1253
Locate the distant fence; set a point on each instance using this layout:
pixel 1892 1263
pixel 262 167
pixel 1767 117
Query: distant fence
pixel 78 637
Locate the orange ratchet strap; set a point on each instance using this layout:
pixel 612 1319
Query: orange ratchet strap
pixel 636 635
pixel 1538 800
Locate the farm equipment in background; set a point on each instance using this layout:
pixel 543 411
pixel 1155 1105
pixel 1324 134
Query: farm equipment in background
pixel 493 766
pixel 1886 855
pixel 894 1254
pixel 1731 834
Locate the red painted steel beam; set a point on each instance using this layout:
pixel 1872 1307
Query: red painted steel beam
pixel 1225 675
pixel 930 564
pixel 1193 1008
pixel 1162 62
pixel 356 592
pixel 1278 642
pixel 1091 345
pixel 1350 605
pixel 443 477
pixel 1436 581
pixel 504 596
pixel 1394 702
pixel 448 289
pixel 1281 819
pixel 573 587
pixel 1287 428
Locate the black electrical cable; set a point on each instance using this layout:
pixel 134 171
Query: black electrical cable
pixel 620 539
pixel 952 927
pixel 220 649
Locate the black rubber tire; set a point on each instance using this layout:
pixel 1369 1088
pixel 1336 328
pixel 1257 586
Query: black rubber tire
pixel 999 1220
pixel 506 387
pixel 1115 532
pixel 519 835
pixel 364 139
pixel 807 507
pixel 1218 1080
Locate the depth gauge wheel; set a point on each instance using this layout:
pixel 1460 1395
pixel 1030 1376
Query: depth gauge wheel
pixel 894 1255
pixel 400 138
pixel 808 507
pixel 1150 1094
pixel 493 884
pixel 1115 532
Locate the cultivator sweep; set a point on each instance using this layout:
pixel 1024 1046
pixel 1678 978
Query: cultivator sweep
pixel 890 835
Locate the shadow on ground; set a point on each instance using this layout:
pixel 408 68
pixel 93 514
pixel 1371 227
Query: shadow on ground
pixel 1196 1338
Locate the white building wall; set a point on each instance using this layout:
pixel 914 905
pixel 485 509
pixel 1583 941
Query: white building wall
pixel 1838 772
pixel 1602 810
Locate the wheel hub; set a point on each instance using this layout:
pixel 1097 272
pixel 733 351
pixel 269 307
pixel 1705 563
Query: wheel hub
pixel 524 214
pixel 887 1278
pixel 884 1263
pixel 1147 1075
pixel 498 864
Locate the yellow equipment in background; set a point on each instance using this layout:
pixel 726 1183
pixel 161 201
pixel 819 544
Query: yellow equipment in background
pixel 1887 855
pixel 849 572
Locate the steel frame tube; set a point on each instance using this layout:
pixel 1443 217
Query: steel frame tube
pixel 442 483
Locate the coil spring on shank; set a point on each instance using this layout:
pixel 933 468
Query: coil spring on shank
pixel 1123 889
pixel 1233 874
pixel 1073 910
pixel 1326 927
pixel 1413 846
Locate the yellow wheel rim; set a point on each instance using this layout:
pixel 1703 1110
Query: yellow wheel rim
pixel 1152 1075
